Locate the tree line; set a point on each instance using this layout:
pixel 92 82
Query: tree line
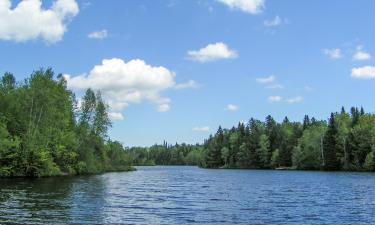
pixel 167 154
pixel 45 132
pixel 345 142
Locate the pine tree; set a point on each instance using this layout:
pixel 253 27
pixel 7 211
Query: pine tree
pixel 330 146
pixel 273 134
pixel 343 110
pixel 254 144
pixel 362 111
pixel 306 122
pixel 355 115
pixel 213 158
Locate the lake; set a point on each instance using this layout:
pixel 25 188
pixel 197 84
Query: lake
pixel 190 195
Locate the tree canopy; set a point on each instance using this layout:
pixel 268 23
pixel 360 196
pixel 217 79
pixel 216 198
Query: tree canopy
pixel 345 142
pixel 43 132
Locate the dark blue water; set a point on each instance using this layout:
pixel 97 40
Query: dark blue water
pixel 189 195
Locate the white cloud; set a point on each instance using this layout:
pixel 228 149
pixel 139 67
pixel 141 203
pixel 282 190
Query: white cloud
pixel 275 86
pixel 163 107
pixel 29 21
pixel 277 21
pixel 275 98
pixel 248 6
pixel 117 106
pixel 189 84
pixel 231 107
pixel 334 53
pixel 266 80
pixel 115 116
pixel 124 83
pixel 98 34
pixel 361 55
pixel 295 100
pixel 366 72
pixel 201 129
pixel 212 52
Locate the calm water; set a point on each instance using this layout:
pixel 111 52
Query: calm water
pixel 189 195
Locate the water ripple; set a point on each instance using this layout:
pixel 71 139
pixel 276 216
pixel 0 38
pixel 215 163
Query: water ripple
pixel 189 195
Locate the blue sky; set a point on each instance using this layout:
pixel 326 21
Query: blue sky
pixel 175 70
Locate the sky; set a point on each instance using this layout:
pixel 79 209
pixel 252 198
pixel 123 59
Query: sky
pixel 175 70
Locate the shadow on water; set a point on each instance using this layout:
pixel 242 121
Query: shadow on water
pixel 52 200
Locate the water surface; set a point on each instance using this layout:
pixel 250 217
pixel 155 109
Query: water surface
pixel 190 195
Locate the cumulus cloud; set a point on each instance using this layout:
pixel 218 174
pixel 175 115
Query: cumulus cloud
pixel 277 21
pixel 29 21
pixel 247 6
pixel 334 53
pixel 266 80
pixel 295 100
pixel 212 52
pixel 124 83
pixel 115 116
pixel 275 98
pixel 201 129
pixel 366 72
pixel 101 34
pixel 361 55
pixel 232 107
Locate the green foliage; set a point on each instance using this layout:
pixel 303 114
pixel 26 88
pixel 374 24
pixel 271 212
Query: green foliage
pixel 330 146
pixel 39 135
pixel 307 154
pixel 275 159
pixel 369 164
pixel 167 155
pixel 346 142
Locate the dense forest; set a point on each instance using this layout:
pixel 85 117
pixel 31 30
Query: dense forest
pixel 43 132
pixel 166 154
pixel 345 142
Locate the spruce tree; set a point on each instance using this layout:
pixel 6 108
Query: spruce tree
pixel 362 111
pixel 306 122
pixel 330 146
pixel 273 134
pixel 214 159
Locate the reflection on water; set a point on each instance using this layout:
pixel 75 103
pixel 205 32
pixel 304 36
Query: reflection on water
pixel 52 200
pixel 181 195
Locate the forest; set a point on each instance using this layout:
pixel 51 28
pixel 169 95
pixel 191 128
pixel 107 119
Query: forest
pixel 345 142
pixel 45 132
pixel 167 154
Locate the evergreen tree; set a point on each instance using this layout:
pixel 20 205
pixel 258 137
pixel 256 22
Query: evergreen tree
pixel 330 146
pixel 343 110
pixel 272 131
pixel 306 122
pixel 214 158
